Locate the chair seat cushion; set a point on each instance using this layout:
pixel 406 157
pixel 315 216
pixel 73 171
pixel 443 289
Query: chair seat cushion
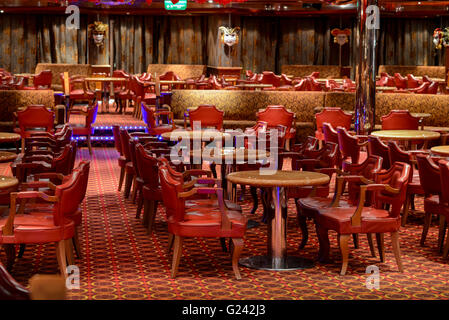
pixel 80 94
pixel 432 204
pixel 149 193
pixel 310 206
pixel 29 228
pixel 81 130
pixel 205 221
pixel 372 220
pixel 161 129
pixel 129 167
pixel 122 161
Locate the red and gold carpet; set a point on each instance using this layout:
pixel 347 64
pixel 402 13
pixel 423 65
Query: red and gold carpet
pixel 121 261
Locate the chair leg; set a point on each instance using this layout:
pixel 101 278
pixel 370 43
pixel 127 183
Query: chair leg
pixel 344 248
pixel 323 238
pixel 425 230
pixel 122 177
pixel 61 256
pixel 152 216
pixel 371 244
pixel 255 199
pixel 176 256
pixel 397 249
pixel 76 244
pixel 89 145
pixel 134 190
pixel 302 221
pixel 10 251
pixel 405 211
pixel 69 252
pixel 21 250
pixel 139 205
pixel 355 238
pixel 224 248
pixel 380 246
pixel 238 247
pixel 128 183
pixel 171 239
pixel 441 232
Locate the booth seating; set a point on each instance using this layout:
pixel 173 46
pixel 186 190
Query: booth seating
pixel 431 71
pixel 325 71
pixel 58 68
pixel 184 71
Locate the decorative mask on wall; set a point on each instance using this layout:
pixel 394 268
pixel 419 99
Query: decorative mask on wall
pixel 229 36
pixel 441 38
pixel 341 36
pixel 97 32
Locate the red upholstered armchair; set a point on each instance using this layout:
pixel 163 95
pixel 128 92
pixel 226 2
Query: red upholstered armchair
pixel 41 81
pixel 208 115
pixel 170 75
pixel 389 189
pixel 412 82
pixel 200 220
pixel 335 117
pixel 421 89
pixel 378 148
pixel 350 146
pixel 400 81
pixel 86 129
pixel 276 115
pixel 121 90
pixel 399 120
pixel 268 77
pixel 78 90
pixel 151 118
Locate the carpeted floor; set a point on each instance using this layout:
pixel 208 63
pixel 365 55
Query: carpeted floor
pixel 121 261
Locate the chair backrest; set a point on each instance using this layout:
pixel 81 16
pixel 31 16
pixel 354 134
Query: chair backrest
pixel 43 79
pixel 378 148
pixel 36 116
pixel 412 82
pixel 65 162
pixel 70 195
pixel 330 134
pixel 399 155
pixel 429 174
pixel 169 75
pixel 432 88
pixel 397 177
pixel 444 179
pixel 125 137
pixel 268 77
pixel 148 116
pixel 117 141
pixel 208 115
pixel 335 116
pixel 399 120
pixel 147 166
pixel 349 147
pixel 91 117
pixel 275 115
pixel 174 206
pixel 401 82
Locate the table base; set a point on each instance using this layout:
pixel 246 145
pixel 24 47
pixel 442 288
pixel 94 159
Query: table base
pixel 268 263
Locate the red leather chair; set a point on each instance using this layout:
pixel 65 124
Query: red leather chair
pixel 313 85
pixel 141 94
pixel 421 89
pixel 34 119
pixel 34 228
pixel 130 172
pixel 121 159
pixel 332 85
pixel 414 184
pixel 349 85
pixel 41 81
pixel 47 143
pixel 444 200
pixel 10 289
pixel 335 117
pixel 350 147
pixel 400 81
pixel 389 189
pixel 378 148
pixel 412 82
pixel 121 90
pixel 301 86
pixel 356 175
pixel 399 120
pixel 432 88
pixel 151 118
pixel 86 129
pixel 170 75
pixel 208 116
pixel 268 77
pixel 78 91
pixel 199 221
pixel 275 115
pixel 429 177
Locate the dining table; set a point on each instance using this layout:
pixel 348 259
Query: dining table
pixel 440 151
pixel 275 183
pixel 409 137
pixel 100 93
pixel 7 185
pixel 9 137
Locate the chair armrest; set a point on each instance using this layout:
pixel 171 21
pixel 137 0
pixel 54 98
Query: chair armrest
pixel 37 184
pixel 33 158
pixel 339 186
pixel 357 216
pixel 48 175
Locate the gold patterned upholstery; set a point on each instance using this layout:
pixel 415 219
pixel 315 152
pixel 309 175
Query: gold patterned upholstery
pixel 58 68
pixel 431 71
pixel 305 70
pixel 184 71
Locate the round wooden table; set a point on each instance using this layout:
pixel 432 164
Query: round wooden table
pixel 195 135
pixel 6 156
pixel 6 137
pixel 421 116
pixel 8 182
pixel 440 151
pixel 276 181
pixel 407 135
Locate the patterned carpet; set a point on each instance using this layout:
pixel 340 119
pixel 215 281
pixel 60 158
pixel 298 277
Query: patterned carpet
pixel 121 261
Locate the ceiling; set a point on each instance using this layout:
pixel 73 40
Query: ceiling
pixel 251 7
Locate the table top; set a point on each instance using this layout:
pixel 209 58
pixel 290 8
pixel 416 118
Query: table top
pixel 24 74
pixel 437 129
pixel 406 134
pixel 8 182
pixel 382 88
pixel 234 154
pixel 8 137
pixel 441 150
pixel 279 178
pixel 420 115
pixel 194 135
pixel 254 85
pixel 324 80
pixel 6 156
pixel 105 79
